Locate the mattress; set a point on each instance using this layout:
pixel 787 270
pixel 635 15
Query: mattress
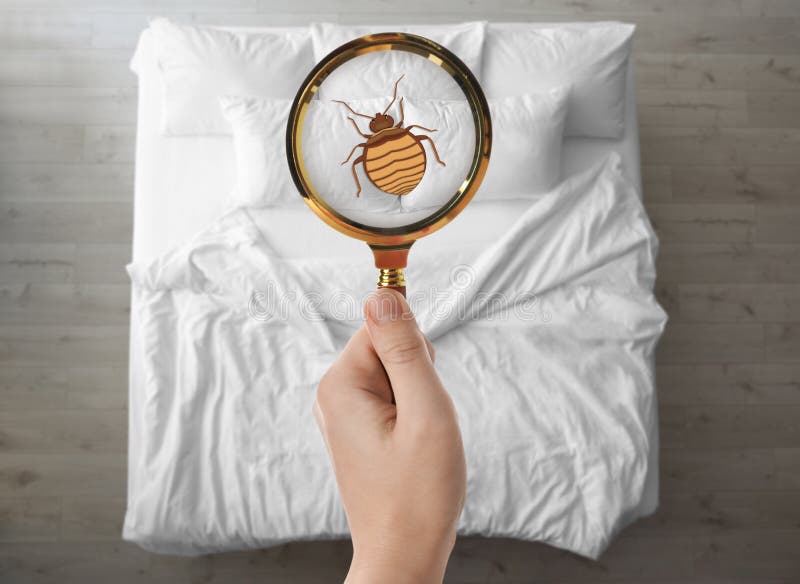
pixel 182 186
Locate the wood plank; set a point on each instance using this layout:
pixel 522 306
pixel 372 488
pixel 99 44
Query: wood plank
pixel 27 30
pixel 778 224
pixel 66 68
pixel 704 71
pixel 663 145
pixel 32 182
pixel 33 388
pixel 739 302
pixel 37 263
pixel 553 8
pixel 628 558
pixel 719 71
pixel 778 72
pixel 713 342
pixel 102 263
pixel 73 563
pixel 770 8
pixel 771 36
pixel 79 105
pixel 693 108
pixel 109 144
pixel 64 263
pixel 92 518
pixel 732 184
pixel 98 388
pixel 56 222
pixel 41 143
pixel 712 512
pixel 75 346
pixel 474 558
pixel 87 473
pixel 667 296
pixel 692 470
pixel 313 562
pixel 783 342
pixel 25 519
pixel 773 109
pixel 748 555
pixel 63 432
pixel 64 304
pixel 656 183
pixel 702 223
pixel 650 70
pixel 62 388
pixel 122 6
pixel 730 426
pixel 787 467
pixel 728 383
pixel 728 263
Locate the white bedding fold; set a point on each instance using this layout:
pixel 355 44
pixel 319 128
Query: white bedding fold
pixel 545 341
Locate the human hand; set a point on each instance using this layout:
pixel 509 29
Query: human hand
pixel 400 467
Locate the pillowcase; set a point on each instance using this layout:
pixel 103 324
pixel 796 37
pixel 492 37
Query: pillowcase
pixel 527 134
pixel 374 74
pixel 592 58
pixel 259 142
pixel 526 150
pixel 263 177
pixel 199 64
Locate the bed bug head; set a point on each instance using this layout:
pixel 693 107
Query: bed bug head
pixel 380 121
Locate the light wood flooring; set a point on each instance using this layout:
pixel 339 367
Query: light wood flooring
pixel 719 103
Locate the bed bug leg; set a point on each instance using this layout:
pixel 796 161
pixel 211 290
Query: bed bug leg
pixel 355 176
pixel 423 128
pixel 356 147
pixel 435 152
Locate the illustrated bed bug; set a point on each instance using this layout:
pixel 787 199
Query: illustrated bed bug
pixel 394 159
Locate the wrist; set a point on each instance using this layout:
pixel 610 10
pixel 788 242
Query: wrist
pixel 401 563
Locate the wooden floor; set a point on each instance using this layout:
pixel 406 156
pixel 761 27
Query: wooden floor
pixel 719 95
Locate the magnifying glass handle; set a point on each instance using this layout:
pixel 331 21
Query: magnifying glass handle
pixel 392 278
pixel 391 263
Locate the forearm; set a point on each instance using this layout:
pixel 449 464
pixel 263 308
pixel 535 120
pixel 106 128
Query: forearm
pixel 401 565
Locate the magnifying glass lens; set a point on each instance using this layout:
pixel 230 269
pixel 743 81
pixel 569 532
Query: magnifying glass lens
pixel 392 158
pixel 388 139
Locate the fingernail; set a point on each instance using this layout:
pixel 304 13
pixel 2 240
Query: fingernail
pixel 382 306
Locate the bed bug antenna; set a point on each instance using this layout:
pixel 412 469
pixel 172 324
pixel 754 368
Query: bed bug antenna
pixel 394 97
pixel 393 157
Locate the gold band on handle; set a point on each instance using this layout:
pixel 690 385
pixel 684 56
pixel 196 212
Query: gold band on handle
pixel 391 278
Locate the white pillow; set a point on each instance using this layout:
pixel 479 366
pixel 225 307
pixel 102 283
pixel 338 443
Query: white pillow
pixel 526 151
pixel 527 134
pixel 259 141
pixel 592 58
pixel 374 74
pixel 199 64
pixel 263 177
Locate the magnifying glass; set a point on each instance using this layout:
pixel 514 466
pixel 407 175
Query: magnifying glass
pixel 375 159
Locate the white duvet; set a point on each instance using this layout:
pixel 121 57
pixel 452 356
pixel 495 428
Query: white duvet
pixel 545 341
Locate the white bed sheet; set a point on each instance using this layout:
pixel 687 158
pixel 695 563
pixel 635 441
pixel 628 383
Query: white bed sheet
pixel 182 186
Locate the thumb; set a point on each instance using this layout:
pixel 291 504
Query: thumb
pixel 404 352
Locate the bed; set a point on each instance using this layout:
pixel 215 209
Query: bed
pixel 180 189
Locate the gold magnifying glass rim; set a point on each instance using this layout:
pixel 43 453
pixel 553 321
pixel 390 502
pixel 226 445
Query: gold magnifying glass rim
pixel 390 41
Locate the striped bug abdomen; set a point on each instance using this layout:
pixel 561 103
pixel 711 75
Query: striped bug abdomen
pixel 394 161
